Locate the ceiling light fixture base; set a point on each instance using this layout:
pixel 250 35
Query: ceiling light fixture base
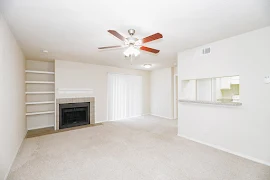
pixel 131 32
pixel 147 66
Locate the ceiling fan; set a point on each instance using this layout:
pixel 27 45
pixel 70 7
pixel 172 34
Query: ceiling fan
pixel 134 44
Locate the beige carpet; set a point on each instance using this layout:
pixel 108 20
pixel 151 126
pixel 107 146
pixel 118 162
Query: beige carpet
pixel 145 148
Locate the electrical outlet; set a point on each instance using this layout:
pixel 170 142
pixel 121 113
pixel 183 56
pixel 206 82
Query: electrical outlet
pixel 267 79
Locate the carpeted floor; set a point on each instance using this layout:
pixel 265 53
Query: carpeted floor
pixel 144 148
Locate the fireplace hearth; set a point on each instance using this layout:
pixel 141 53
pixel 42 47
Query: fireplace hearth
pixel 74 114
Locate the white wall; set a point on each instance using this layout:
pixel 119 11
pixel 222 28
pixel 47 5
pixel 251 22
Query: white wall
pixel 82 75
pixel 161 92
pixel 241 130
pixel 12 104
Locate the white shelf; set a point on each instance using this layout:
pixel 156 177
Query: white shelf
pixel 39 82
pixel 39 113
pixel 43 102
pixel 40 92
pixel 39 72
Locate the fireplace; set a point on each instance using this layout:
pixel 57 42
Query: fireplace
pixel 68 102
pixel 74 114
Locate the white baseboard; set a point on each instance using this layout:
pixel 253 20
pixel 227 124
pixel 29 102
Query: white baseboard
pixel 146 114
pixel 6 176
pixel 40 127
pixel 161 116
pixel 228 151
pixel 134 116
pixel 125 118
pixel 101 121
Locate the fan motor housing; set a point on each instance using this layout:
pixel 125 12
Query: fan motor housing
pixel 131 32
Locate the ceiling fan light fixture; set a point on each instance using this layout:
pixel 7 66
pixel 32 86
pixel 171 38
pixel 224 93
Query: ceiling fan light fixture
pixel 136 52
pixel 131 51
pixel 134 44
pixel 147 66
pixel 138 42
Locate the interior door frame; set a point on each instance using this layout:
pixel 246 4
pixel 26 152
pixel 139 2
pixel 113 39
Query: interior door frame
pixel 175 97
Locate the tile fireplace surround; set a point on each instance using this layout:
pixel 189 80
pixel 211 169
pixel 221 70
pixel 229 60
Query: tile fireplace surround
pixel 76 100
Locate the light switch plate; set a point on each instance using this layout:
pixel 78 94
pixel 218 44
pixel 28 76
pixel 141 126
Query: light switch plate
pixel 267 79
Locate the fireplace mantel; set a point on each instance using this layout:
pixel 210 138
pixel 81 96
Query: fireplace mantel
pixel 75 91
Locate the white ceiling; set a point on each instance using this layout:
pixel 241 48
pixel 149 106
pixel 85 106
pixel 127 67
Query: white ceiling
pixel 73 29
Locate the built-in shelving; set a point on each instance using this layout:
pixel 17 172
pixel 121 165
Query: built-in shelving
pixel 39 82
pixel 39 113
pixel 39 72
pixel 41 102
pixel 40 92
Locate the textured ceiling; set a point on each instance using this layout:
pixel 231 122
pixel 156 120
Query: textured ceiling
pixel 73 29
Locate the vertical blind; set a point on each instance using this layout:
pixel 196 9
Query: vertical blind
pixel 124 96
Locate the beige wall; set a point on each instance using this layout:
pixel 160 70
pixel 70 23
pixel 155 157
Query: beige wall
pixel 240 130
pixel 12 104
pixel 82 75
pixel 161 92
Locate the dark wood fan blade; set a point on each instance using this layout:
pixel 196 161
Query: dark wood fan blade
pixel 108 47
pixel 152 38
pixel 116 34
pixel 149 49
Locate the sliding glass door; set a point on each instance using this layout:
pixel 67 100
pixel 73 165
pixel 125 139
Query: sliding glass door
pixel 124 96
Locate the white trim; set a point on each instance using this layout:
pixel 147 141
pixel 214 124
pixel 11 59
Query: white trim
pixel 40 92
pixel 39 82
pixel 42 102
pixel 39 72
pixel 107 96
pixel 136 116
pixel 102 121
pixel 40 127
pixel 147 114
pixel 226 150
pixel 210 102
pixel 20 147
pixel 125 118
pixel 161 116
pixel 175 100
pixel 39 113
pixel 55 106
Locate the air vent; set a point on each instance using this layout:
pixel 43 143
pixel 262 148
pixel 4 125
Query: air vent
pixel 206 50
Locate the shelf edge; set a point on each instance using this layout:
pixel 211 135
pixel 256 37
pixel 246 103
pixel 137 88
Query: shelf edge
pixel 39 113
pixel 210 103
